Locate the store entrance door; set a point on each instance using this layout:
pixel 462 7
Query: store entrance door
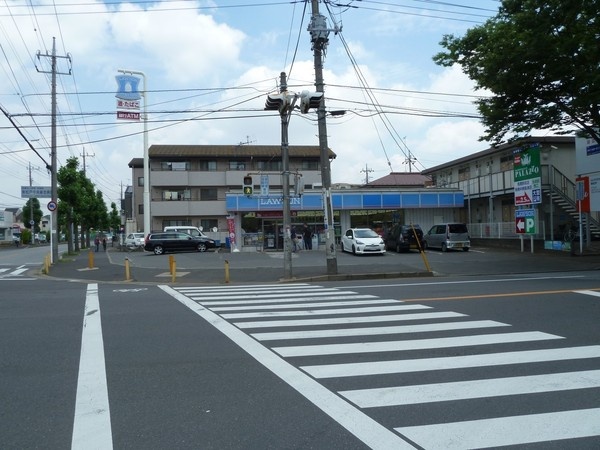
pixel 272 232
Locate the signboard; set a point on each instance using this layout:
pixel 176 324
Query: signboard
pixel 36 192
pixel 527 176
pixel 525 221
pixel 128 97
pixel 583 194
pixel 128 115
pixel 264 185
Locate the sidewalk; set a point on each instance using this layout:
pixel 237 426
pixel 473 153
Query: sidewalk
pixel 216 267
pixel 224 267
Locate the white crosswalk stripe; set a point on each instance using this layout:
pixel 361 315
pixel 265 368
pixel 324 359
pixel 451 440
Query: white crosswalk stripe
pixel 14 273
pixel 305 324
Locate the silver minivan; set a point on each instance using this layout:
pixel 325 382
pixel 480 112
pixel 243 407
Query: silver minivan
pixel 447 236
pixel 192 231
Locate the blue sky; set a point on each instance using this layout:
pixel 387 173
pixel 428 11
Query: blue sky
pixel 209 66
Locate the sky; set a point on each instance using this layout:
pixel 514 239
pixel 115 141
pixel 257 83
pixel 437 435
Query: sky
pixel 208 67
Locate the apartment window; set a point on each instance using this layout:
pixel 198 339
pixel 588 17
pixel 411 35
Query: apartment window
pixel 177 195
pixel 208 166
pixel 209 224
pixel 207 194
pixel 237 165
pixel 310 165
pixel 464 173
pixel 506 162
pixel 140 181
pixel 175 166
pixel 140 209
pixel 269 166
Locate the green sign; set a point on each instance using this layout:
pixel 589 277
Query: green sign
pixel 527 163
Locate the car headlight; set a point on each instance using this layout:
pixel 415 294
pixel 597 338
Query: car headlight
pixel 359 242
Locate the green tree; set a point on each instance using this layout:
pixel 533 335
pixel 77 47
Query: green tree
pixel 32 211
pixel 539 59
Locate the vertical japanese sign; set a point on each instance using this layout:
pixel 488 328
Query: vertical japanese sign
pixel 583 194
pixel 231 227
pixel 128 97
pixel 527 176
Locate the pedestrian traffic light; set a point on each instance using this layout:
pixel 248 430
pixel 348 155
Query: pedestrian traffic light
pixel 248 186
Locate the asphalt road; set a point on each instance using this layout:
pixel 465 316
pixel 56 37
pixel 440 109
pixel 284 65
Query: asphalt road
pixel 447 360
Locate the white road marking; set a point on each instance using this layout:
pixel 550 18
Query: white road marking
pixel 285 300
pixel 373 331
pixel 372 433
pixel 451 362
pixel 91 425
pixel 504 431
pixel 461 390
pixel 586 292
pixel 416 344
pixel 220 309
pixel 323 312
pixel 347 320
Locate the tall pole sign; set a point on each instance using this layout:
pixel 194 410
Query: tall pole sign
pixel 527 176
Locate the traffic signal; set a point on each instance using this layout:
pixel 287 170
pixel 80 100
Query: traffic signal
pixel 309 100
pixel 248 186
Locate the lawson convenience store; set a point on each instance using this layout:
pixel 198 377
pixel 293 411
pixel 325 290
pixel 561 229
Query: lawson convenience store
pixel 259 219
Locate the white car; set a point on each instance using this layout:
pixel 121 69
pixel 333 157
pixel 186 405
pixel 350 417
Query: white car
pixel 361 241
pixel 134 241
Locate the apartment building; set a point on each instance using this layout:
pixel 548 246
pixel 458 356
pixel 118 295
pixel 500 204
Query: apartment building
pixel 487 180
pixel 202 185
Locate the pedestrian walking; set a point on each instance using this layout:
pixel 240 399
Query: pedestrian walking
pixel 307 236
pixel 294 240
pixel 104 243
pixel 97 243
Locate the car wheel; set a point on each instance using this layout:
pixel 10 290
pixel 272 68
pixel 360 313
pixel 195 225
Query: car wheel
pixel 465 249
pixel 201 247
pixel 158 250
pixel 353 249
pixel 424 245
pixel 444 247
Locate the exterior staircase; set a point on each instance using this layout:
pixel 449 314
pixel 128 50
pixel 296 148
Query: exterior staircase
pixel 562 192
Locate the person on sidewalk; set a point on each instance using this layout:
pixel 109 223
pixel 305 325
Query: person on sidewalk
pixel 307 235
pixel 104 243
pixel 97 243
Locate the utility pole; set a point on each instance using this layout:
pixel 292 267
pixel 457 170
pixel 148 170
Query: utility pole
pixel 319 34
pixel 410 160
pixel 366 171
pixel 53 163
pixel 31 220
pixel 84 154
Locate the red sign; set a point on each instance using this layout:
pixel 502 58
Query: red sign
pixel 522 199
pixel 583 194
pixel 520 224
pixel 126 115
pixel 231 227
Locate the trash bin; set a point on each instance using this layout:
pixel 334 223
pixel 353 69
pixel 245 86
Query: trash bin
pixel 227 243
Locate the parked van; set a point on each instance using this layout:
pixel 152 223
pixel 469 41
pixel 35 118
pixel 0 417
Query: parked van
pixel 192 231
pixel 447 236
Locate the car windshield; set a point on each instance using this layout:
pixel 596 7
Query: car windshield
pixel 365 234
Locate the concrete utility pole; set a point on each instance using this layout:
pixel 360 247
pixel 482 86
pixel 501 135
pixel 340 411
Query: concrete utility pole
pixel 366 171
pixel 53 163
pixel 84 154
pixel 319 35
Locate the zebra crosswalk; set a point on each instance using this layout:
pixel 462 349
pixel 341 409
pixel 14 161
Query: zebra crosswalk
pixel 14 273
pixel 389 361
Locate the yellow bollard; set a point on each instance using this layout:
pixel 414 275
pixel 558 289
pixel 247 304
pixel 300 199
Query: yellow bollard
pixel 127 271
pixel 174 271
pixel 226 271
pixel 90 259
pixel 171 262
pixel 47 264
